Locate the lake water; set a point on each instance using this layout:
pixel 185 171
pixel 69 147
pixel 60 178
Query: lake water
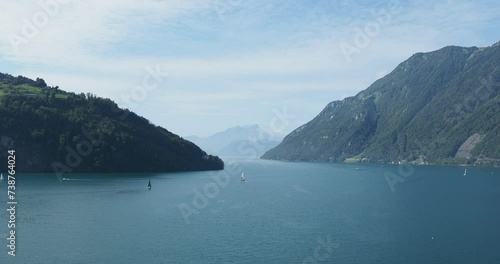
pixel 283 213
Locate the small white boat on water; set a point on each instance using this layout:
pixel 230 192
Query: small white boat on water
pixel 149 185
pixel 242 177
pixel 465 172
pixel 1 177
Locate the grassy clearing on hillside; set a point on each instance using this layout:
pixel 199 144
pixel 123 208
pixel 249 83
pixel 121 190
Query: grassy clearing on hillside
pixel 26 90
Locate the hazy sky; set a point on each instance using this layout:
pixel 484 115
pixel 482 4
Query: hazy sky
pixel 229 62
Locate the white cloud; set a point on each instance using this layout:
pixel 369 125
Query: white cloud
pixel 78 31
pixel 277 53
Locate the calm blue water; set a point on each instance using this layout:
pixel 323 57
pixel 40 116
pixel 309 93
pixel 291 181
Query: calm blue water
pixel 284 213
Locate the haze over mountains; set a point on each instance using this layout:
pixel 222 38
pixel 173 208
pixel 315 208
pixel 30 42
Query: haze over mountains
pixel 250 140
pixel 436 107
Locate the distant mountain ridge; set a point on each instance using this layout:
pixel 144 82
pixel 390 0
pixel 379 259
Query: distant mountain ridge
pixel 250 140
pixel 438 107
pixel 57 131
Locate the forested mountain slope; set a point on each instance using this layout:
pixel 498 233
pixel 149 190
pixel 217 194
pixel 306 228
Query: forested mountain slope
pixel 52 130
pixel 437 107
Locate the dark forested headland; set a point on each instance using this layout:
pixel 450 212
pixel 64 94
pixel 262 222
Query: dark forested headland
pixel 57 131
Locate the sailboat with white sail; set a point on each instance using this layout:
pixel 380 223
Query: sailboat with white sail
pixel 149 185
pixel 242 177
pixel 465 172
